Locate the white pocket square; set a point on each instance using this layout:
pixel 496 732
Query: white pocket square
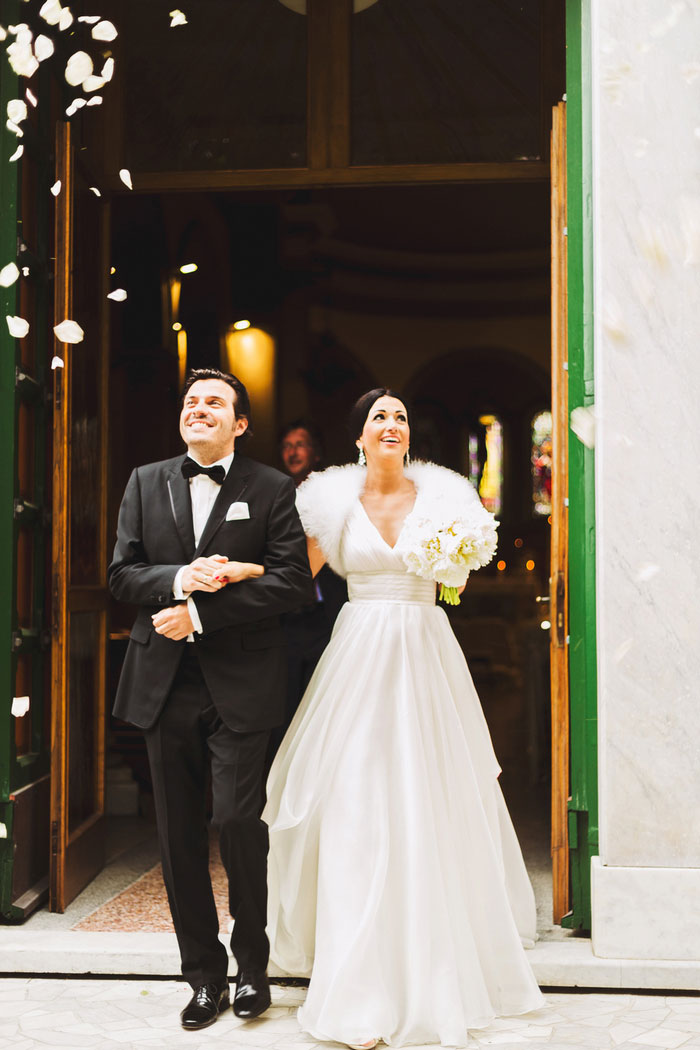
pixel 237 512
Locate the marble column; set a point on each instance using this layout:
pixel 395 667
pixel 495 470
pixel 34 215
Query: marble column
pixel 646 144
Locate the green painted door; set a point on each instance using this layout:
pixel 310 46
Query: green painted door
pixel 25 496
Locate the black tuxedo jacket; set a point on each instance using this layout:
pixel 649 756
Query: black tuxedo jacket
pixel 242 648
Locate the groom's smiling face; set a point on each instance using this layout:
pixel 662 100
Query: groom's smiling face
pixel 208 422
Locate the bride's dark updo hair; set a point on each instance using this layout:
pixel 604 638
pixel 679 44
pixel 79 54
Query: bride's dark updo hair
pixel 361 409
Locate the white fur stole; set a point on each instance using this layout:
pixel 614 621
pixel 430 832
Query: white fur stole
pixel 326 499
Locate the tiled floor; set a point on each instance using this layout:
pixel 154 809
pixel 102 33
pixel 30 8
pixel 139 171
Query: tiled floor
pixel 136 1015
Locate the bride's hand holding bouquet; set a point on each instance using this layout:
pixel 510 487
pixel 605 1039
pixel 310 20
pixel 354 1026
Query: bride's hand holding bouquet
pixel 448 550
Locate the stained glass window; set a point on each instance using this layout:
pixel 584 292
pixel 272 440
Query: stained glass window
pixel 491 486
pixel 541 461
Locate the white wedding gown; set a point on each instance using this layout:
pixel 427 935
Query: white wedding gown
pixel 395 877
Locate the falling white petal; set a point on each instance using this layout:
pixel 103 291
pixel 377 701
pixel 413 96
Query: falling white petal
pixel 647 571
pixel 93 83
pixel 119 295
pixel 104 31
pixel 96 100
pixel 66 19
pixel 3 831
pixel 31 97
pixel 96 191
pixel 8 275
pixel 22 60
pixel 690 72
pixel 17 154
pixel 125 176
pixel 18 326
pixel 78 68
pixel 3 33
pixel 56 188
pixel 11 126
pixel 17 110
pixel 108 70
pixel 51 11
pixel 177 18
pixel 43 47
pixel 90 19
pixel 57 362
pixel 25 271
pixel 75 105
pixel 20 706
pixel 583 424
pixel 69 332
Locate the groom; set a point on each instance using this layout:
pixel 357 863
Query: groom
pixel 204 673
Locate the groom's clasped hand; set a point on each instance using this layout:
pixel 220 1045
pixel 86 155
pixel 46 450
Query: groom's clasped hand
pixel 203 574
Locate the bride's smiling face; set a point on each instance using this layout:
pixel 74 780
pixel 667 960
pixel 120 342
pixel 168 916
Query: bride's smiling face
pixel 386 435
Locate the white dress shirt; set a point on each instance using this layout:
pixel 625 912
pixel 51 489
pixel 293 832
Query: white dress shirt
pixel 203 493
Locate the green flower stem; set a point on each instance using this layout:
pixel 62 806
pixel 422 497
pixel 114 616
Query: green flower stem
pixel 449 595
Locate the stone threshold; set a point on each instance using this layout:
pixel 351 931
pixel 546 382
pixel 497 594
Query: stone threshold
pixel 568 963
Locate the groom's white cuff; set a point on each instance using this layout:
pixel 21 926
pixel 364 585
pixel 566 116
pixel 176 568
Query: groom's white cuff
pixel 178 592
pixel 194 616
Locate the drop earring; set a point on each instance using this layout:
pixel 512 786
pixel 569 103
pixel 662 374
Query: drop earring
pixel 362 458
pixel 407 459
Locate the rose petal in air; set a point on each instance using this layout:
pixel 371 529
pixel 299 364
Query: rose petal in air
pixel 104 31
pixel 18 326
pixel 20 706
pixel 119 295
pixel 108 70
pixel 43 47
pixel 11 126
pixel 92 83
pixel 22 60
pixel 96 100
pixel 90 19
pixel 177 18
pixel 66 19
pixel 8 275
pixel 17 110
pixel 25 271
pixel 3 831
pixel 17 154
pixel 125 176
pixel 69 332
pixel 583 424
pixel 3 33
pixel 51 12
pixel 57 362
pixel 96 191
pixel 31 97
pixel 56 188
pixel 75 105
pixel 79 67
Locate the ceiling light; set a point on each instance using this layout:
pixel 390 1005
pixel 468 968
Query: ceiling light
pixel 241 325
pixel 188 268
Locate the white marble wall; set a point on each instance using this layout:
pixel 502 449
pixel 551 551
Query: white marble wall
pixel 646 134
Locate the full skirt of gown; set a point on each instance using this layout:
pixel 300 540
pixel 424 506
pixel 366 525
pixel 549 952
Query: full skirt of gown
pixel 396 880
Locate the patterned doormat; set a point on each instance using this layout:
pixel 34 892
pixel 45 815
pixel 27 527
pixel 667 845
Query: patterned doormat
pixel 143 906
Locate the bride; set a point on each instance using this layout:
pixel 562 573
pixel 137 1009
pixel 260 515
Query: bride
pixel 396 880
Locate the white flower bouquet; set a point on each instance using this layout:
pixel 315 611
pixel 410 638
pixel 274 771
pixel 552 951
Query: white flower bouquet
pixel 447 551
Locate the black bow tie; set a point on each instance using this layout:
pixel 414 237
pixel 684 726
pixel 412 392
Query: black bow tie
pixel 190 469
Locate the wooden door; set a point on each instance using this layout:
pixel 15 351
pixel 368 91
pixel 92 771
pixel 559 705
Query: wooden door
pixel 558 580
pixel 79 586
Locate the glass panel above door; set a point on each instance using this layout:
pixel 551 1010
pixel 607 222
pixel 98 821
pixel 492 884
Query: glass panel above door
pixel 446 81
pixel 226 90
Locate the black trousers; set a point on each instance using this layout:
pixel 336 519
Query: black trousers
pixel 189 735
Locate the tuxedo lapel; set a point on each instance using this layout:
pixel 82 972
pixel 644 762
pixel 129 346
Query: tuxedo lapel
pixel 234 486
pixel 181 507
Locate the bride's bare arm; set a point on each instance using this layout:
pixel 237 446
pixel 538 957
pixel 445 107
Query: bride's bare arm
pixel 235 571
pixel 316 557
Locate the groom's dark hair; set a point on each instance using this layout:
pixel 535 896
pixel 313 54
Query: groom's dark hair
pixel 361 408
pixel 241 400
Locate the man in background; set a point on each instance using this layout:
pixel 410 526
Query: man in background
pixel 308 629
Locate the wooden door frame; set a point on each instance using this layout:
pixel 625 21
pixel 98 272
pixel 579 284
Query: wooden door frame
pixel 77 854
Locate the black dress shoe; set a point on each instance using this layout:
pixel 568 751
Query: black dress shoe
pixel 205 1006
pixel 252 996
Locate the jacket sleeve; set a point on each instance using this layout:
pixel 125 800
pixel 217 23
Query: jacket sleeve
pixel 286 584
pixel 131 577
